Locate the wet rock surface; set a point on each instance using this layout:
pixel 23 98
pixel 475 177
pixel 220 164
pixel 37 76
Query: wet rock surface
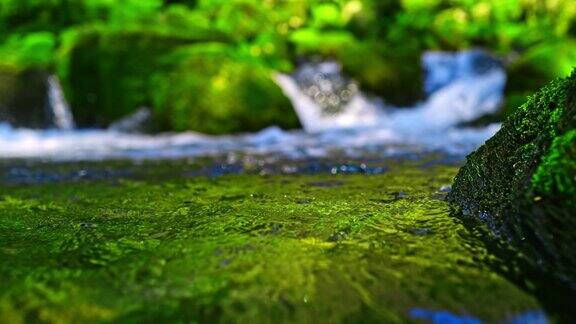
pixel 25 175
pixel 520 187
pixel 245 248
pixel 19 172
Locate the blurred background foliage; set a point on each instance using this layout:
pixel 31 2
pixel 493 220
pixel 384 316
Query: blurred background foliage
pixel 207 65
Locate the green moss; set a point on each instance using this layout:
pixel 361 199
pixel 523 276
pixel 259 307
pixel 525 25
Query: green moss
pixel 24 67
pixel 521 185
pixel 244 249
pixel 107 72
pixel 557 173
pixel 503 165
pixel 33 50
pixel 237 95
pixel 393 74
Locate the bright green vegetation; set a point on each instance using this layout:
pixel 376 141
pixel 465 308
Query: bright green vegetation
pixel 241 95
pixel 557 173
pixel 114 56
pixel 244 248
pixel 522 185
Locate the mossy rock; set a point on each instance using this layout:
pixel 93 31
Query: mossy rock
pixel 318 248
pixel 192 83
pixel 522 185
pixel 212 91
pixel 107 72
pixel 23 97
pixel 394 75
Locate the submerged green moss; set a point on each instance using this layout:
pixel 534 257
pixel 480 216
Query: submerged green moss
pixel 244 248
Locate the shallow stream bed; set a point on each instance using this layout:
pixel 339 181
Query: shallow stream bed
pixel 245 247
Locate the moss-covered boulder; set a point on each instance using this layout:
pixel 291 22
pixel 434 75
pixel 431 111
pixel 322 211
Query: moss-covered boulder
pixel 106 73
pixel 522 186
pixel 194 81
pixel 212 91
pixel 23 97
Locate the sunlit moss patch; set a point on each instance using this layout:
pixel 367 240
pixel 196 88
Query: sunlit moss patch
pixel 298 248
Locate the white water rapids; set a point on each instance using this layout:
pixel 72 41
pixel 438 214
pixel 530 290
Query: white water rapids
pixel 461 88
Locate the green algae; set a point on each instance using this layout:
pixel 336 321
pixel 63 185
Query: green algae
pixel 244 248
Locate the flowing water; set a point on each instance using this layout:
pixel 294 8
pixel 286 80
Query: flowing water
pixel 335 114
pixel 58 109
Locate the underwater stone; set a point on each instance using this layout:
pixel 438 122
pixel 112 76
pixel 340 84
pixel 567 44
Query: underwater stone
pixel 521 186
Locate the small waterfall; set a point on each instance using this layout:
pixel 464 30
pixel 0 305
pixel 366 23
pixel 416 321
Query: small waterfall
pixel 325 99
pixel 444 68
pixel 460 86
pixel 58 110
pixel 136 122
pixel 337 118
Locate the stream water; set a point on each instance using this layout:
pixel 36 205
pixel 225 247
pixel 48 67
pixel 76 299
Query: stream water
pixel 335 114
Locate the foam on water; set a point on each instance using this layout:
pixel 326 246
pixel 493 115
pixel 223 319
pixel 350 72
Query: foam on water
pixel 102 144
pixel 336 116
pixel 461 87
